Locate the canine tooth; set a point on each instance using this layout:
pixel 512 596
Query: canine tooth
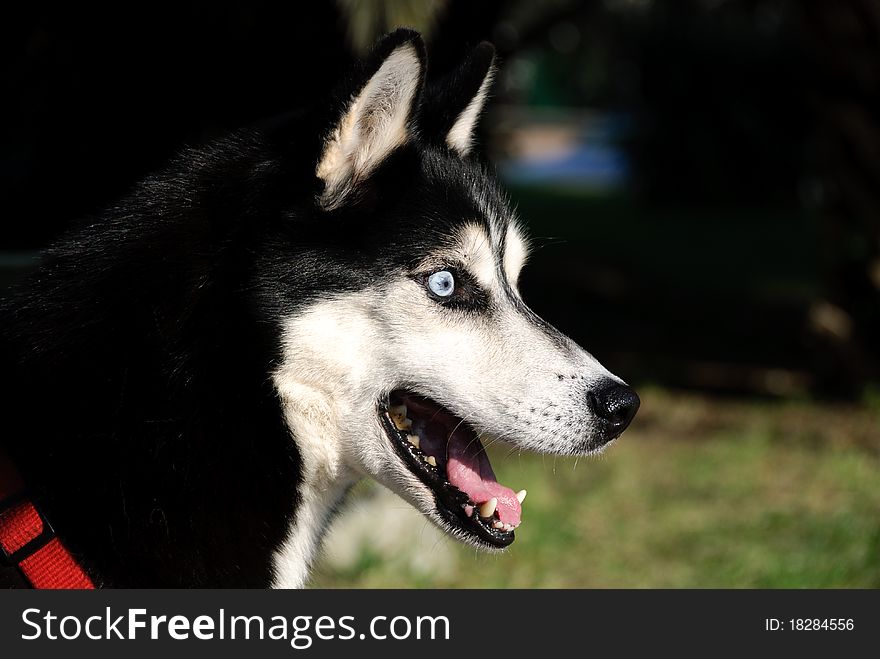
pixel 398 416
pixel 488 508
pixel 431 460
pixel 402 423
pixel 414 440
pixel 521 495
pixel 497 524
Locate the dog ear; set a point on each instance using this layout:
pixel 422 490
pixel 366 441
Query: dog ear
pixel 453 105
pixel 375 119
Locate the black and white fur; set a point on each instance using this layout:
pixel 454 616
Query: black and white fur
pixel 191 379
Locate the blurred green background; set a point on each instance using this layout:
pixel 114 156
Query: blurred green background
pixel 701 180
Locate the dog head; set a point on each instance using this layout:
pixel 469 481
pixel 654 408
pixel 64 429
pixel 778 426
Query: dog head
pixel 417 349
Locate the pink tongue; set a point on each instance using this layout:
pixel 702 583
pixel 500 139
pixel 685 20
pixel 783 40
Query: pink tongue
pixel 468 468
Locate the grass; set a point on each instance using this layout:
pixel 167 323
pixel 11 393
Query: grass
pixel 699 493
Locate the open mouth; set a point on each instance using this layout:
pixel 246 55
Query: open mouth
pixel 447 456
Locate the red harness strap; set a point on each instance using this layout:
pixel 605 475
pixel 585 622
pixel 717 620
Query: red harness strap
pixel 27 540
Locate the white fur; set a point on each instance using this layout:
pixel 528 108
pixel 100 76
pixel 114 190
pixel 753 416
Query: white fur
pixel 308 413
pixel 516 252
pixel 461 135
pixel 374 124
pixel 342 355
pixel 474 248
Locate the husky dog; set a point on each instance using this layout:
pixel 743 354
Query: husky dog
pixel 193 381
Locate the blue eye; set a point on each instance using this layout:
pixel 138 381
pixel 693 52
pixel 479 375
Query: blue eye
pixel 441 283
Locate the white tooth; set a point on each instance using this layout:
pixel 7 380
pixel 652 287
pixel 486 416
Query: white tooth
pixel 431 460
pixel 398 416
pixel 497 524
pixel 507 528
pixel 402 423
pixel 468 510
pixel 521 495
pixel 488 508
pixel 414 440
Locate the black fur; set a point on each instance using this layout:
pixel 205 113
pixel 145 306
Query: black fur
pixel 446 99
pixel 137 400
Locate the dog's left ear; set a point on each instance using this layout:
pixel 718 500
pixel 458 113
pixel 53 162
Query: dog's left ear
pixel 375 119
pixel 453 105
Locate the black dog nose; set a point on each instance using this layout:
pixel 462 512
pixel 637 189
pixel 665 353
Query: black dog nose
pixel 616 404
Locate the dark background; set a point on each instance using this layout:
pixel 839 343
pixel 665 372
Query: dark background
pixel 735 247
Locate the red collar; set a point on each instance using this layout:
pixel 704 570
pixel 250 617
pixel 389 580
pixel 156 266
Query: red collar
pixel 28 541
